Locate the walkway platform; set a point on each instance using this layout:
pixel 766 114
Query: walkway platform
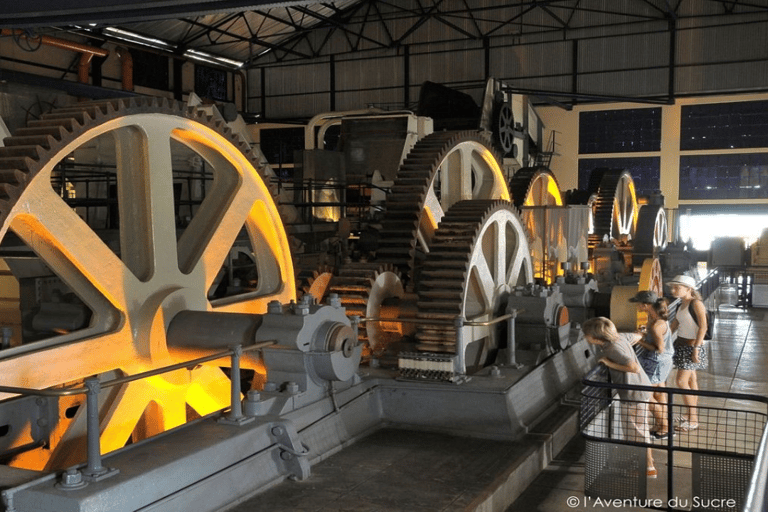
pixel 738 364
pixel 395 470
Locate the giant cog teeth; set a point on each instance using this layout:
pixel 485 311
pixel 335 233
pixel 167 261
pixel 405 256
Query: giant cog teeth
pixel 405 205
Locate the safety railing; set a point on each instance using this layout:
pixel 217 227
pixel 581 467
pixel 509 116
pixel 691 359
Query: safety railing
pixel 710 467
pixel 757 498
pixel 95 470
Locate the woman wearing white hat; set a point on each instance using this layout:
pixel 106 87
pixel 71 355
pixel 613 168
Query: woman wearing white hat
pixel 690 354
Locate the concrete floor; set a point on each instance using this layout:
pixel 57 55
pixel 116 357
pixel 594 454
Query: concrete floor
pixel 403 471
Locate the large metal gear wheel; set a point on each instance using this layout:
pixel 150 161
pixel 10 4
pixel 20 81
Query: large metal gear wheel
pixel 615 207
pixel 535 186
pixel 479 254
pixel 651 235
pixel 441 169
pixel 533 190
pixel 156 271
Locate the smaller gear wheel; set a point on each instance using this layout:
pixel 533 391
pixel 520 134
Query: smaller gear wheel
pixel 372 290
pixel 651 234
pixel 314 282
pixel 535 186
pixel 504 129
pixel 440 170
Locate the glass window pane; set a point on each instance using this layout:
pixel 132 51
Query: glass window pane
pixel 620 131
pixel 150 70
pixel 724 126
pixel 644 171
pixel 210 83
pixel 742 176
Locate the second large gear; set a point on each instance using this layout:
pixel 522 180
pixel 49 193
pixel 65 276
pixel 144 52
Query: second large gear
pixel 479 254
pixel 441 169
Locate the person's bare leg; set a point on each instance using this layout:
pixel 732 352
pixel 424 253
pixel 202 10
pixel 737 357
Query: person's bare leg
pixel 659 410
pixel 693 405
pixel 686 379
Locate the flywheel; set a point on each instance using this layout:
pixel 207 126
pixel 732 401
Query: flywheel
pixel 535 186
pixel 615 207
pixel 651 234
pixel 479 254
pixel 442 169
pixel 160 249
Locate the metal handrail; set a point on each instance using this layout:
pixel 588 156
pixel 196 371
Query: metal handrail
pixel 458 322
pixel 435 321
pixel 757 499
pixel 94 468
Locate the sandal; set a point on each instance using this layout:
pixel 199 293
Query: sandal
pixel 652 473
pixel 686 426
pixel 661 435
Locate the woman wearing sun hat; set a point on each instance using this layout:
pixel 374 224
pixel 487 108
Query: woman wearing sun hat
pixel 690 354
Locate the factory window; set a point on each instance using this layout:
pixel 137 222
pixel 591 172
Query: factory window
pixel 702 227
pixel 644 171
pixel 741 176
pixel 210 83
pixel 724 126
pixel 280 145
pixel 620 131
pixel 150 70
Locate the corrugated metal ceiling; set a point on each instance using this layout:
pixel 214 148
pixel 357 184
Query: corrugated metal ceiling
pixel 246 31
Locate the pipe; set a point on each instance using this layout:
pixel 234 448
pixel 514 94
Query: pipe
pixel 61 43
pixel 87 52
pixel 243 92
pixel 126 64
pixel 84 67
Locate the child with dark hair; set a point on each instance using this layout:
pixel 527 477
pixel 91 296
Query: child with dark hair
pixel 620 358
pixel 655 352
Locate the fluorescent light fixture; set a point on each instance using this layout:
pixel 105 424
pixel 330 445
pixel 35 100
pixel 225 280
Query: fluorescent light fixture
pixel 132 37
pixel 212 59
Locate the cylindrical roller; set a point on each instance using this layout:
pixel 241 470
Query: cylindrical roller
pixel 623 312
pixel 212 330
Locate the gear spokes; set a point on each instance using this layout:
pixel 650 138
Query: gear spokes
pixel 479 254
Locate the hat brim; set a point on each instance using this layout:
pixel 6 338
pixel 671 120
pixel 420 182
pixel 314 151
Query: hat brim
pixel 687 285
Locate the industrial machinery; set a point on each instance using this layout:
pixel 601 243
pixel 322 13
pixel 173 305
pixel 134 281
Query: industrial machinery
pixel 134 275
pixel 160 283
pixel 513 127
pixel 558 233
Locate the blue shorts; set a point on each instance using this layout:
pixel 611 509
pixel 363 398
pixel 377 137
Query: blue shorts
pixel 657 368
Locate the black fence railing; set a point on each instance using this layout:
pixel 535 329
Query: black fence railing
pixel 706 468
